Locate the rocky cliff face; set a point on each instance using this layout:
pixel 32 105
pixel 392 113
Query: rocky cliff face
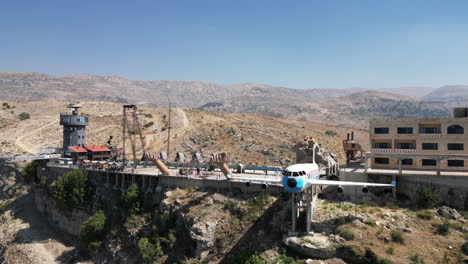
pixel 69 222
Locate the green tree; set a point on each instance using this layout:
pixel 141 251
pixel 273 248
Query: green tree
pixel 131 199
pixel 255 259
pixel 93 231
pixel 30 172
pixel 211 167
pixel 427 197
pixel 23 116
pixel 149 251
pixel 71 190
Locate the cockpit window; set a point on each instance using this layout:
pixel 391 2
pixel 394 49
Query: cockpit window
pixel 295 173
pixel 285 173
pixel 303 173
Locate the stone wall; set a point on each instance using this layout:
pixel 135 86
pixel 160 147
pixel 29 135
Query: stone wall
pixel 452 190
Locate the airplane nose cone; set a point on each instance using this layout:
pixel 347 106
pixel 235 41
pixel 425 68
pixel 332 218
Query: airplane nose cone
pixel 292 183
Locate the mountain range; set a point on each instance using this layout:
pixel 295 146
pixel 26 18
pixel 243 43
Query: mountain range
pixel 347 107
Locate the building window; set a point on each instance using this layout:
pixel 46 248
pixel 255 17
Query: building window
pixel 405 146
pixel 382 145
pixel 429 130
pixel 429 162
pixel 456 163
pixel 381 161
pixel 430 146
pixel 455 129
pixel 455 146
pixel 405 130
pixel 381 130
pixel 407 162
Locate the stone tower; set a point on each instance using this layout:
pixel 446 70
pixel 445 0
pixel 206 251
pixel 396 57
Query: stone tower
pixel 74 127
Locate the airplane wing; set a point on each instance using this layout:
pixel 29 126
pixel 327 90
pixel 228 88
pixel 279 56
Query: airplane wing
pixel 229 177
pixel 348 183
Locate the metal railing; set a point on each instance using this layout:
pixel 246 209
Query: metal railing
pixel 377 150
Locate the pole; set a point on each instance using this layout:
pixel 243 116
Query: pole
pixel 124 127
pixel 168 131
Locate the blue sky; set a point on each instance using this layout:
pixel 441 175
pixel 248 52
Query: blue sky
pixel 297 44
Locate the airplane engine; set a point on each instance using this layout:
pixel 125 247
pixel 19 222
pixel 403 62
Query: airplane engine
pixel 264 186
pixel 365 189
pixel 339 189
pixel 247 184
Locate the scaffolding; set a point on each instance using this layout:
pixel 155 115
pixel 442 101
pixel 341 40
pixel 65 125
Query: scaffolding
pixel 131 112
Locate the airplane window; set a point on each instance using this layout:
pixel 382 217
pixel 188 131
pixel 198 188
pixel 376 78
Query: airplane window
pixel 285 173
pixel 303 173
pixel 289 173
pixel 295 173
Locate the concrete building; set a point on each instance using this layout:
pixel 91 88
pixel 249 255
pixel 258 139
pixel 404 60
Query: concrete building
pixel 419 143
pixel 74 127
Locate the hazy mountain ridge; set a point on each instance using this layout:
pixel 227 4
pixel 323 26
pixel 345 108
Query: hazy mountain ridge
pixel 352 106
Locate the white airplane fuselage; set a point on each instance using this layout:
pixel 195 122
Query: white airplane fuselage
pixel 298 177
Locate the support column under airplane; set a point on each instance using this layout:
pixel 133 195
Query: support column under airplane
pixel 293 213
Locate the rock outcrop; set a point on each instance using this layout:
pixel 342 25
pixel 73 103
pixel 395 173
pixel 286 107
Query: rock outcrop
pixel 317 246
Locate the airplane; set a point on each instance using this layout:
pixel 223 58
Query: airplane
pixel 299 177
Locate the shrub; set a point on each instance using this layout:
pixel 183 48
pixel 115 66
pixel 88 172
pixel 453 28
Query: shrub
pixel 283 259
pixel 255 259
pixel 444 228
pixel 425 214
pixel 427 197
pixel 370 222
pixel 344 232
pixel 23 116
pixel 390 250
pixel 30 172
pixel 71 190
pixel 148 124
pixel 149 251
pixel 211 167
pixel 397 236
pixel 464 248
pixel 93 231
pixel 416 259
pixel 131 199
pixel 330 132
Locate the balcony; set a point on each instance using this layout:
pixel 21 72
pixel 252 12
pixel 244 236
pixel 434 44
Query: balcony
pixel 423 135
pixel 377 150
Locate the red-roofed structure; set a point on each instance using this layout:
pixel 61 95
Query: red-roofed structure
pixel 78 149
pixel 77 153
pixel 98 152
pixel 96 148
